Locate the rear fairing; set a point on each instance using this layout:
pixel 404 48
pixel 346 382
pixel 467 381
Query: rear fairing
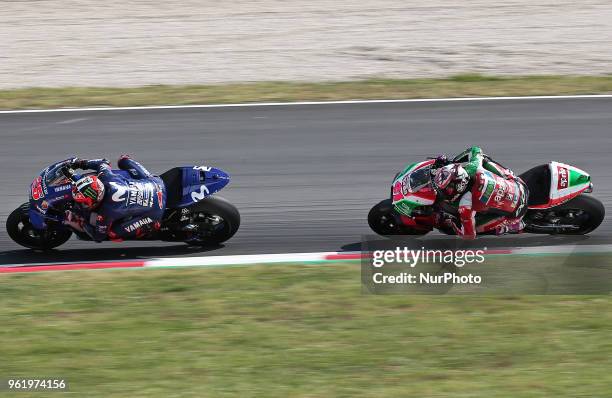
pixel 566 182
pixel 198 183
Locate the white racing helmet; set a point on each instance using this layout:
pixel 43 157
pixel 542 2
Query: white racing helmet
pixel 451 181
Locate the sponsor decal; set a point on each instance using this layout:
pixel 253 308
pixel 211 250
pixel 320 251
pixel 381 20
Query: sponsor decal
pixel 133 227
pixel 44 205
pixel 62 188
pixel 36 188
pixel 160 198
pixel 202 168
pixel 397 191
pixel 120 190
pixel 90 193
pixel 405 184
pixel 83 182
pixel 197 196
pixel 500 193
pixel 511 194
pixel 488 191
pixel 137 193
pixel 141 193
pixel 563 179
pixel 487 185
pixel 44 181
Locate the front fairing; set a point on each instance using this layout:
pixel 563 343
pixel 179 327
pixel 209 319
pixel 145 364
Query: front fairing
pixel 49 190
pixel 412 188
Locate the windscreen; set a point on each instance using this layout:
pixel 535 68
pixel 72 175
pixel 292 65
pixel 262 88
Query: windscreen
pixel 54 176
pixel 419 178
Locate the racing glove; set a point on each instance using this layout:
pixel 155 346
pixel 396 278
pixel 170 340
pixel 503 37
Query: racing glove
pixel 83 164
pixel 440 161
pixel 78 163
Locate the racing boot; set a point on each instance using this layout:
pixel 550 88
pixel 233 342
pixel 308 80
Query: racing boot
pixel 510 227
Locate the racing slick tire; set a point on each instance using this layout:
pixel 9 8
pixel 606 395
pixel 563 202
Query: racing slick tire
pixel 383 220
pixel 584 211
pixel 218 220
pixel 21 230
pixel 590 206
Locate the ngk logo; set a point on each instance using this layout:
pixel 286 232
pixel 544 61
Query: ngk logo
pixel 563 177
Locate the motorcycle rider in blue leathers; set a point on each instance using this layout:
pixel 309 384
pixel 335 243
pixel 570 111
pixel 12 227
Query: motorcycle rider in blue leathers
pixel 110 206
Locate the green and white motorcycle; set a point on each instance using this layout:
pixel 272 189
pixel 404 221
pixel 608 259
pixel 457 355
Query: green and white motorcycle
pixel 558 203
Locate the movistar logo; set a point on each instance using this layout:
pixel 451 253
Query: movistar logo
pixel 196 196
pixel 118 195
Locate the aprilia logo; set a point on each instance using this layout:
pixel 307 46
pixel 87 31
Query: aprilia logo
pixel 563 181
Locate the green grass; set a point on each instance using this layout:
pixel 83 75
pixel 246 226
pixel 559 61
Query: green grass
pixel 296 331
pixel 469 85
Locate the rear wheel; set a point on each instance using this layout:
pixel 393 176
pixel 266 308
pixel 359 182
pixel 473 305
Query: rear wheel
pixel 21 230
pixel 383 220
pixel 216 219
pixel 579 216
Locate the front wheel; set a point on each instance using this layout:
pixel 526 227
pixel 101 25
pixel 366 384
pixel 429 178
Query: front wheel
pixel 383 220
pixel 217 220
pixel 579 216
pixel 21 230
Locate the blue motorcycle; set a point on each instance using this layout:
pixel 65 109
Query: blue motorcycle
pixel 192 215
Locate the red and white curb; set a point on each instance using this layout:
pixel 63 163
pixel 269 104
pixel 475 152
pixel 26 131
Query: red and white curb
pixel 299 258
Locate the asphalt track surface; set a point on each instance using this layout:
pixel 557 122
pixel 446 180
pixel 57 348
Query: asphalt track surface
pixel 305 176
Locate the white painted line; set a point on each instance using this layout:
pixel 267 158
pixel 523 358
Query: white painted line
pixel 563 249
pixel 236 260
pixel 214 261
pixel 126 260
pixel 70 121
pixel 299 103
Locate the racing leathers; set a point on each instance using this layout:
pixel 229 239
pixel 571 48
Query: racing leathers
pixel 132 206
pixel 494 193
